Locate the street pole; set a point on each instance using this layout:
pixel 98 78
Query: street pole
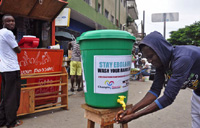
pixel 143 24
pixel 164 16
pixel 142 29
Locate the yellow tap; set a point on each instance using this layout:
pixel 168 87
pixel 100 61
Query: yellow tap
pixel 121 101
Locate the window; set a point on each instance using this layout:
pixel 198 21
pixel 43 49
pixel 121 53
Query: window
pixel 124 3
pixel 112 19
pixel 99 8
pixel 106 13
pixel 87 1
pixel 117 24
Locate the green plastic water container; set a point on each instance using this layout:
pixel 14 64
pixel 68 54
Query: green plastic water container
pixel 106 63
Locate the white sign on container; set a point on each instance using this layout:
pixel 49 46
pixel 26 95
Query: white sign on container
pixel 111 73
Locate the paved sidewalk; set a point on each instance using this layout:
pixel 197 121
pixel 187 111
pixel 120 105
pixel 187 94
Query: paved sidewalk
pixel 175 116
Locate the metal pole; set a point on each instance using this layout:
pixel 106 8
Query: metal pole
pixel 164 16
pixel 142 30
pixel 143 24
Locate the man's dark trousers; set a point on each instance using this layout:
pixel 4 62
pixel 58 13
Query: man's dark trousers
pixel 11 89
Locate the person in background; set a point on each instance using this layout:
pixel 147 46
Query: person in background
pixel 75 65
pixel 145 68
pixel 181 63
pixel 10 72
pixel 133 59
pixel 138 62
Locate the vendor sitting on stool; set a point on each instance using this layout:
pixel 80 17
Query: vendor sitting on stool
pixel 75 65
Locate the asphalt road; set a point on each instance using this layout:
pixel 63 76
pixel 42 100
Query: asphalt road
pixel 175 116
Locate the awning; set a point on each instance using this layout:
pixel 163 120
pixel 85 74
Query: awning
pixel 63 35
pixel 36 9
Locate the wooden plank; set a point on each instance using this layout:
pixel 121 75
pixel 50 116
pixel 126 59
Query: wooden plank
pixel 93 117
pixel 124 125
pixel 31 77
pixel 37 9
pixel 103 121
pixel 63 82
pixel 86 107
pixel 41 110
pixel 43 83
pixel 104 117
pixel 47 10
pixel 103 111
pixel 18 7
pixel 90 124
pixel 47 105
pixel 108 126
pixel 32 101
pixel 42 73
pixel 64 89
pixel 24 102
pixel 108 119
pixel 48 97
pixel 44 86
pixel 48 93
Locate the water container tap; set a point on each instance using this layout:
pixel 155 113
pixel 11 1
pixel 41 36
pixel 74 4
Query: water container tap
pixel 121 101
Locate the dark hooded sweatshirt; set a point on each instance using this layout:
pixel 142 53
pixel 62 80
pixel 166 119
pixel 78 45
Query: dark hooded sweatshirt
pixel 182 61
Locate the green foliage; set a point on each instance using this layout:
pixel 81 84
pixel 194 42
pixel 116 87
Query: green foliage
pixel 190 35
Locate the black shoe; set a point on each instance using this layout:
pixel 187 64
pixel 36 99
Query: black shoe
pixel 18 123
pixel 79 89
pixel 72 90
pixel 3 124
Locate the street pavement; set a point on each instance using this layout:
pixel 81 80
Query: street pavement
pixel 175 116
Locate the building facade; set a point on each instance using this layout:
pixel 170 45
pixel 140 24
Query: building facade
pixel 132 16
pixel 89 15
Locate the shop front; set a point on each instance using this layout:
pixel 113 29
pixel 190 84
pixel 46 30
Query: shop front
pixel 76 28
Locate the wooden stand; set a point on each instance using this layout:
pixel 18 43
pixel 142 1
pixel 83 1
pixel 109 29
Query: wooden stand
pixel 28 96
pixel 104 117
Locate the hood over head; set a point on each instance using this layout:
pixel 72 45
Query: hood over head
pixel 162 48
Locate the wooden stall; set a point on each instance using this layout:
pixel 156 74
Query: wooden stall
pixel 29 96
pixel 44 81
pixel 33 61
pixel 40 10
pixel 36 9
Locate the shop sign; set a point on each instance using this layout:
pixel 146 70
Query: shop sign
pixel 63 19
